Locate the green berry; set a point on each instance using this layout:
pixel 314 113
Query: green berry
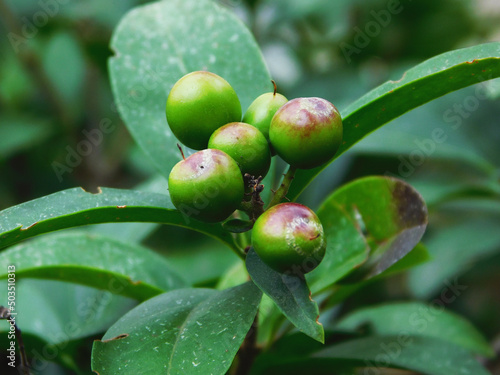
pixel 207 186
pixel 289 237
pixel 262 110
pixel 306 132
pixel 246 145
pixel 198 104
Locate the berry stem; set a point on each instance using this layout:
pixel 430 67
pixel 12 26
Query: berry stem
pixel 283 189
pixel 275 87
pixel 182 152
pixel 255 206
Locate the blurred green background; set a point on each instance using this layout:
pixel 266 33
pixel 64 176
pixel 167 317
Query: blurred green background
pixel 55 89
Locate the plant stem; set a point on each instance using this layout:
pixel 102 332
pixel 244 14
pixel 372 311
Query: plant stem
pixel 248 350
pixel 5 314
pixel 283 189
pixel 255 206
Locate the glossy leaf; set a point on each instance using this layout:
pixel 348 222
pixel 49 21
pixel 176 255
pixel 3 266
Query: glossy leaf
pixel 416 257
pixel 432 132
pixel 58 312
pixel 134 232
pixel 429 80
pixel 417 319
pixel 391 215
pixel 346 246
pixel 237 225
pixel 234 276
pixel 186 331
pixel 75 207
pixel 372 355
pixel 421 354
pixel 103 263
pixel 156 44
pixel 290 293
pixel 463 240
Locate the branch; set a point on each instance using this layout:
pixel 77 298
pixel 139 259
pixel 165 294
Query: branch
pixel 5 314
pixel 248 350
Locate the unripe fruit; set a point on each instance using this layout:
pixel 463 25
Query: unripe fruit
pixel 306 132
pixel 246 145
pixel 198 104
pixel 289 237
pixel 207 185
pixel 262 110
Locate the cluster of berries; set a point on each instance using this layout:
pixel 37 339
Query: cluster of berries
pixel 204 113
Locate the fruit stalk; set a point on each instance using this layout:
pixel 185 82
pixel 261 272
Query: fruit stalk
pixel 282 191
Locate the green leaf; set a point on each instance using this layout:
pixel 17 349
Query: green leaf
pixel 17 134
pixel 67 78
pixel 204 264
pixel 429 80
pixel 270 320
pixel 414 258
pixel 108 14
pixel 346 246
pixel 455 246
pixel 75 207
pixel 156 44
pixel 236 275
pixel 290 293
pixel 390 213
pixel 421 354
pixel 129 270
pixel 237 225
pixel 418 256
pixel 58 312
pixel 134 232
pixel 418 319
pixel 404 143
pixel 186 331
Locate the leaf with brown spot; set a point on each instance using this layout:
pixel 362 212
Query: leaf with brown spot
pixel 391 213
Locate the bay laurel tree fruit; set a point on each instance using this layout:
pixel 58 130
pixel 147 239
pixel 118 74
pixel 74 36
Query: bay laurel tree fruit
pixel 207 185
pixel 246 145
pixel 262 110
pixel 289 237
pixel 198 104
pixel 306 132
